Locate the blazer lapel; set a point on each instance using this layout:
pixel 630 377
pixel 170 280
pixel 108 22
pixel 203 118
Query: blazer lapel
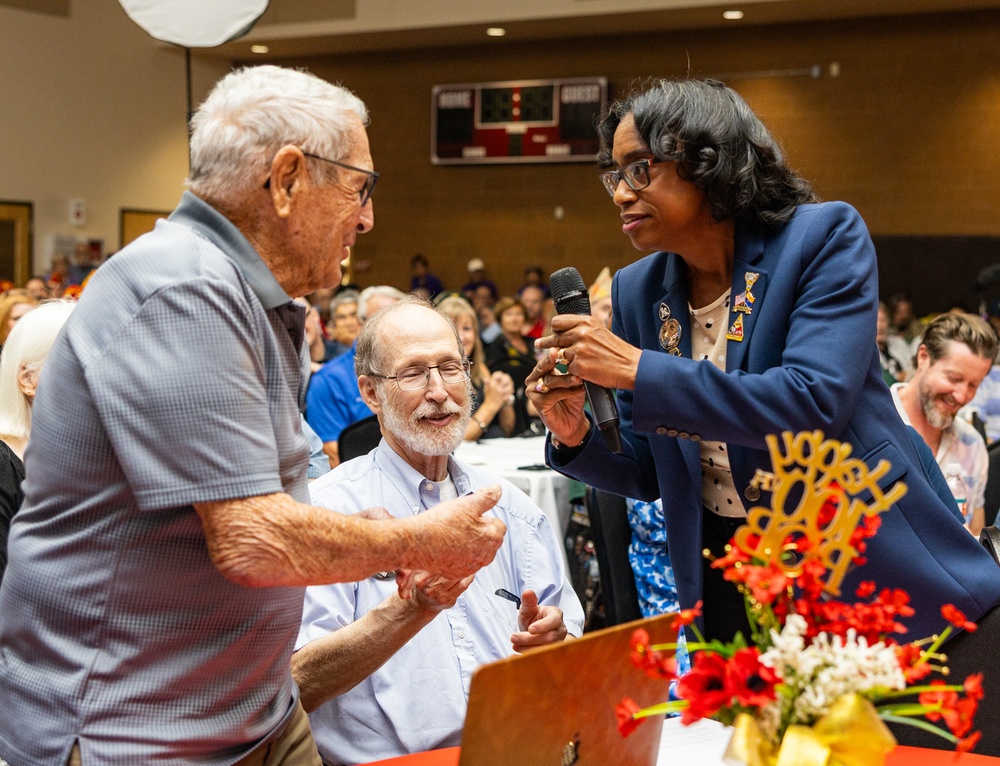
pixel 673 307
pixel 671 310
pixel 747 296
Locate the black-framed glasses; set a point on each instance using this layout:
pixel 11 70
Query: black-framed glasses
pixel 635 175
pixel 415 378
pixel 370 180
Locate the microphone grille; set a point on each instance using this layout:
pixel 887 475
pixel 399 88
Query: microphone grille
pixel 569 291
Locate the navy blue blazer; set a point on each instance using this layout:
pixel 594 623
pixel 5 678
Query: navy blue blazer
pixel 807 360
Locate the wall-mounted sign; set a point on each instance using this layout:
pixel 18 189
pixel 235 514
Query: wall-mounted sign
pixel 524 121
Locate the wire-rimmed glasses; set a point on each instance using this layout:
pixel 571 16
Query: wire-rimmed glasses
pixel 415 378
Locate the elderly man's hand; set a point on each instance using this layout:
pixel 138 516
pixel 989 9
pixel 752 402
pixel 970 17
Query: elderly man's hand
pixel 429 592
pixel 455 538
pixel 540 625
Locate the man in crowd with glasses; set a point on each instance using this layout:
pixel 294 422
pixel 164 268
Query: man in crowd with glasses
pixel 157 567
pixel 387 676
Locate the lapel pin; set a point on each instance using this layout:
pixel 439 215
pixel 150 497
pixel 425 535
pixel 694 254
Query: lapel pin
pixel 740 304
pixel 736 329
pixel 670 336
pixel 751 278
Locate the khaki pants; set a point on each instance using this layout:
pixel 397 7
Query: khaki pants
pixel 293 747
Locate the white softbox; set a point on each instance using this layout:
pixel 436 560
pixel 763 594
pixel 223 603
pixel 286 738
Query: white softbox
pixel 195 23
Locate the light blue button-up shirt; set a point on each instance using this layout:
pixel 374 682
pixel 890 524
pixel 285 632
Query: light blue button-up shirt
pixel 417 699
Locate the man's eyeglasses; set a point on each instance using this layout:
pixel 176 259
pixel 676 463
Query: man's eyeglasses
pixel 370 181
pixel 415 378
pixel 635 175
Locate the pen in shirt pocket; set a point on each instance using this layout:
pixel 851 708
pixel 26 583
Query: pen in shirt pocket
pixel 503 593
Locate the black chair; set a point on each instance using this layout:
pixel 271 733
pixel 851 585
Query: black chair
pixel 612 534
pixel 992 503
pixel 359 439
pixel 989 538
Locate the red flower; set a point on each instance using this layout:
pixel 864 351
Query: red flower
pixel 974 686
pixel 937 701
pixel 966 745
pixel 957 618
pixel 911 660
pixel 686 616
pixel 959 718
pixel 765 583
pixel 865 589
pixel 750 682
pixel 827 511
pixel 734 555
pixel 639 644
pixel 704 687
pixel 653 663
pixel 625 712
pixel 957 712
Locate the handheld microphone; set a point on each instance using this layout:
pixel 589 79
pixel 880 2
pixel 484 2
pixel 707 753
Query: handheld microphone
pixel 570 296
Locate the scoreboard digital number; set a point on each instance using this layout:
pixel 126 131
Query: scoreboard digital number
pixel 527 121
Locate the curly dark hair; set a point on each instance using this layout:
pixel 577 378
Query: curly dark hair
pixel 720 146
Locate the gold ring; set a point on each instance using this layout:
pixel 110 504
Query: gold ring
pixel 561 357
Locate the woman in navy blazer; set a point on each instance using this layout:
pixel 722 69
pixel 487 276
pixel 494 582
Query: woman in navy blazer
pixel 756 315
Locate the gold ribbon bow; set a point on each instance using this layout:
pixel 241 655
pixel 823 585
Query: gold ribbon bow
pixel 850 734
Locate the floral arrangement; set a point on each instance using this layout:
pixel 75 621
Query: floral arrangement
pixel 818 677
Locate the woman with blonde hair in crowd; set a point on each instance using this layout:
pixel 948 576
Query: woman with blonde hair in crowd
pixel 13 305
pixel 23 356
pixel 494 415
pixel 512 353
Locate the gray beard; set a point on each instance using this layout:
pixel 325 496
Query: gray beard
pixel 420 439
pixel 934 416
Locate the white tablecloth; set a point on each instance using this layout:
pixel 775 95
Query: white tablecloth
pixel 700 744
pixel 508 457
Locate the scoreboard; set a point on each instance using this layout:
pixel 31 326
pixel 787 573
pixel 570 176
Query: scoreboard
pixel 524 121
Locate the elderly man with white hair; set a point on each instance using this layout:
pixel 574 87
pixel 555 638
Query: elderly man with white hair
pixel 157 567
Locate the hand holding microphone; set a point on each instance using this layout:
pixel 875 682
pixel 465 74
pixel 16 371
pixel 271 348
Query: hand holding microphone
pixel 570 297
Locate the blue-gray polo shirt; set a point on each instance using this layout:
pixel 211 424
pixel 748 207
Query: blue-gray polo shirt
pixel 175 381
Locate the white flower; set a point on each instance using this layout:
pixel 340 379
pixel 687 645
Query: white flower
pixel 815 675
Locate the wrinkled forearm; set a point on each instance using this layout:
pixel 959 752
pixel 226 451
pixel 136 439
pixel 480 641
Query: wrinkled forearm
pixel 339 661
pixel 274 541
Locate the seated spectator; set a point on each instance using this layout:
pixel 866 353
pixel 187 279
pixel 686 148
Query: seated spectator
pixel 22 360
pixel 477 278
pixel 514 354
pixel 954 357
pixel 384 676
pixel 493 411
pixel 37 288
pixel 484 300
pixel 422 282
pixel 986 402
pixel 321 300
pixel 344 324
pixel 535 321
pixel 534 277
pixel 893 369
pixel 333 401
pixel 905 329
pixel 13 305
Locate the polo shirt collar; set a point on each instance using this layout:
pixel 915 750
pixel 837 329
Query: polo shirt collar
pixel 220 231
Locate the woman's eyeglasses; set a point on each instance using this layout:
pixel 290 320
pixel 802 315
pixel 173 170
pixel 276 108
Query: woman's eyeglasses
pixel 635 175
